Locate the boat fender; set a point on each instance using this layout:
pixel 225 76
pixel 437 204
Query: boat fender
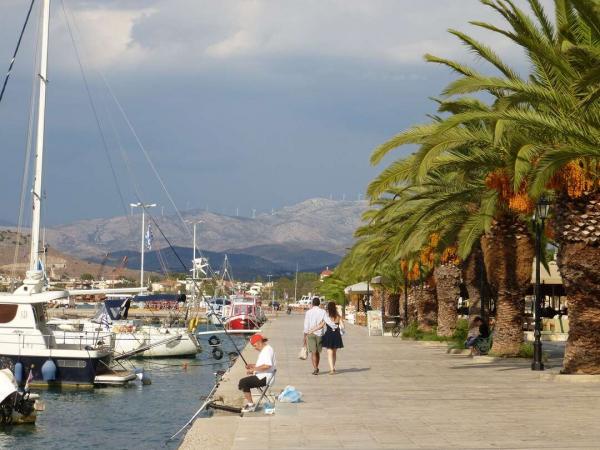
pixel 217 353
pixel 19 372
pixel 49 370
pixel 146 380
pixel 214 340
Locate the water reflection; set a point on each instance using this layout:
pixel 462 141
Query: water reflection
pixel 132 417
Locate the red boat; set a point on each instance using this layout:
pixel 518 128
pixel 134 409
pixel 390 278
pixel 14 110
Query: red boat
pixel 244 315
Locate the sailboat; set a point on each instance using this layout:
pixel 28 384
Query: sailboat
pixel 27 347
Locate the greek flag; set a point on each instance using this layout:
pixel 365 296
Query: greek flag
pixel 105 321
pixel 29 379
pixel 149 237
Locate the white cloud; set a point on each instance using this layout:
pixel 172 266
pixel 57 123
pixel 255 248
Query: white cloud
pixel 103 34
pixel 191 34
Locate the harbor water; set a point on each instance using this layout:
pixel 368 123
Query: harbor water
pixel 131 417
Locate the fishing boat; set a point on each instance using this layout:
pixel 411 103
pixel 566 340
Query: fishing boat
pixel 25 339
pixel 244 314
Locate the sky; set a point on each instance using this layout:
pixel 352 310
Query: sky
pixel 240 105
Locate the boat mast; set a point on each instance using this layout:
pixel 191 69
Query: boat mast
pixel 39 144
pixel 194 268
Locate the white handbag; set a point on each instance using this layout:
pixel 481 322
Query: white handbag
pixel 303 354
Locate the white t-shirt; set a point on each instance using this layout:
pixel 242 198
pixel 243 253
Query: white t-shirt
pixel 266 357
pixel 313 317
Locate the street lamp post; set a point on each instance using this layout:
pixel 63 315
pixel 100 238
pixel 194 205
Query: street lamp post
pixel 541 213
pixel 405 300
pixel 143 206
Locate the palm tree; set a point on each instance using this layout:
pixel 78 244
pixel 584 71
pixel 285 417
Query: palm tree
pixel 558 109
pixel 487 206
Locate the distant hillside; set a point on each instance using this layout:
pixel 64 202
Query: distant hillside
pixel 57 264
pixel 316 224
pixel 244 266
pixel 287 256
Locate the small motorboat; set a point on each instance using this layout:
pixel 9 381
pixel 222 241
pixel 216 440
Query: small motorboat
pixel 16 407
pixel 244 315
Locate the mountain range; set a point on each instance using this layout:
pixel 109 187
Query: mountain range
pixel 312 234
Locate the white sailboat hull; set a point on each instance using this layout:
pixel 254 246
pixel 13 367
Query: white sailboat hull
pixel 131 341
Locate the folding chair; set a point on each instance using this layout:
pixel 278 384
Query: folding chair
pixel 265 391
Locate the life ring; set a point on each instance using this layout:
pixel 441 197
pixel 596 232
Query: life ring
pixel 217 353
pixel 214 340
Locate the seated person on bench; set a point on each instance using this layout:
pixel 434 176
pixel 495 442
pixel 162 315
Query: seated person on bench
pixel 474 342
pixel 261 372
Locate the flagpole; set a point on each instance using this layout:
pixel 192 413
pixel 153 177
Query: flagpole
pixel 143 249
pixel 143 206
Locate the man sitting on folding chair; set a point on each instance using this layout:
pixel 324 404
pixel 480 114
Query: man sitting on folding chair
pixel 260 373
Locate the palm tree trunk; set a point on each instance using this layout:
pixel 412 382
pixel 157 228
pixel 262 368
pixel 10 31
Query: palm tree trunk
pixel 473 277
pixel 393 304
pixel 447 281
pixel 508 255
pixel 378 297
pixel 578 235
pixel 426 303
pixel 412 305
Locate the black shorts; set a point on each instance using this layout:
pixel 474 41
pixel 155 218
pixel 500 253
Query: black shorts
pixel 251 382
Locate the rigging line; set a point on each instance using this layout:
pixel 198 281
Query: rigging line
pixel 14 56
pixel 148 159
pixel 153 167
pixel 239 352
pixel 136 187
pixel 150 163
pixel 28 146
pixel 94 111
pixel 146 155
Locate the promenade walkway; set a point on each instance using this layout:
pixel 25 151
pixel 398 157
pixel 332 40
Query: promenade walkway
pixel 404 395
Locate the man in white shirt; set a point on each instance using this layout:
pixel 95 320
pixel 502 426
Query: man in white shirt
pixel 261 372
pixel 314 316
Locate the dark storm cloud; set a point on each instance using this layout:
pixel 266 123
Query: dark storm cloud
pixel 251 104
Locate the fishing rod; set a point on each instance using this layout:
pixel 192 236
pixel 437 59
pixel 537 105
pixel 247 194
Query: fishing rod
pixel 196 414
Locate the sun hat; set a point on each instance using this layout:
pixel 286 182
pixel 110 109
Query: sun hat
pixel 257 337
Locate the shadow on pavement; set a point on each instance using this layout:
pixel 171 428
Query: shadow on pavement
pixel 353 369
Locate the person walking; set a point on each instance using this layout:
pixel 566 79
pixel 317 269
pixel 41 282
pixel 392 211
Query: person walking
pixel 314 322
pixel 332 338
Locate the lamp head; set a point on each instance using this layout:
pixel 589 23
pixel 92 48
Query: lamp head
pixel 542 207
